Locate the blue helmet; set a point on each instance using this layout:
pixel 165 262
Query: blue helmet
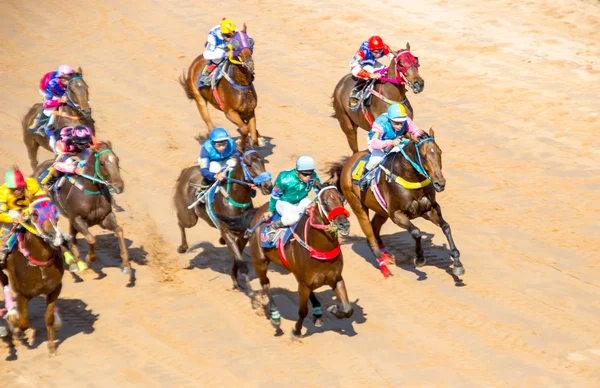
pixel 305 163
pixel 219 134
pixel 397 112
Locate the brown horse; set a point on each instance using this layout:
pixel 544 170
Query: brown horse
pixel 406 188
pixel 75 111
pixel 86 200
pixel 402 70
pixel 232 198
pixel 313 255
pixel 35 268
pixel 234 95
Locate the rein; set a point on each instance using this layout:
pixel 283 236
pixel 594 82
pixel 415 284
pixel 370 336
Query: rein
pixel 256 181
pixel 228 77
pixel 418 166
pixel 97 178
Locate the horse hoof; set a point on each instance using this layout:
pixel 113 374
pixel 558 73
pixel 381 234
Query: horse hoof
pixel 295 337
pixel 420 262
pixel 182 249
pixel 126 270
pixel 385 271
pixel 261 142
pixel 73 268
pixel 318 321
pixel 458 271
pixel 389 259
pixel 57 322
pixel 52 353
pixel 3 330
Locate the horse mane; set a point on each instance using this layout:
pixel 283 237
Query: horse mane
pixel 335 171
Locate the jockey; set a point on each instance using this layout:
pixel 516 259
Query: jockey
pixel 54 95
pixel 290 194
pixel 217 152
pixel 385 134
pixel 216 48
pixel 16 194
pixel 364 62
pixel 71 150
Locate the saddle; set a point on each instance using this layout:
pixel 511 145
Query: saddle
pixel 213 77
pixel 282 235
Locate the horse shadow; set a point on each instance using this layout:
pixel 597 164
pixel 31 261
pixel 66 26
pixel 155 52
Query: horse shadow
pixel 218 259
pixel 287 303
pixel 402 246
pixel 76 316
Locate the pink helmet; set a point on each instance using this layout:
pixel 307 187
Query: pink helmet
pixel 64 69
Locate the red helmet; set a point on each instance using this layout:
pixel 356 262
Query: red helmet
pixel 376 43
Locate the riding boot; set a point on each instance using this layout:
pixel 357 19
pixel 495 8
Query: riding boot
pixel 38 123
pixel 364 181
pixel 204 185
pixel 272 228
pixel 205 75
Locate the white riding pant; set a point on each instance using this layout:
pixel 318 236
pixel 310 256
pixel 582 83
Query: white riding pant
pixel 290 213
pixel 356 69
pixel 376 158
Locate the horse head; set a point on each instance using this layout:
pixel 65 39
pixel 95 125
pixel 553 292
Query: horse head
pixel 243 47
pixel 43 216
pixel 77 94
pixel 106 166
pixel 253 165
pixel 407 69
pixel 331 206
pixel 429 158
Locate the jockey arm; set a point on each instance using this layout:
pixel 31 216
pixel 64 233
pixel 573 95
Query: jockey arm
pixel 356 66
pixel 213 51
pixel 204 164
pixel 276 194
pixel 376 141
pixel 412 128
pixel 33 188
pixel 5 218
pixel 54 92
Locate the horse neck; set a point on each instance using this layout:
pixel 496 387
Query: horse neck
pixel 315 236
pixel 399 88
pixel 37 247
pixel 405 169
pixel 90 170
pixel 238 192
pixel 240 75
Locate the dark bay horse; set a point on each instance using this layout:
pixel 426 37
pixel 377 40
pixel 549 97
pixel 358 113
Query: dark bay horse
pixel 401 71
pixel 35 267
pixel 313 255
pixel 234 95
pixel 86 199
pixel 406 190
pixel 75 111
pixel 233 197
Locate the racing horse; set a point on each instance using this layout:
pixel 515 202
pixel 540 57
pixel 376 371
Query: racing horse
pixel 390 88
pixel 234 95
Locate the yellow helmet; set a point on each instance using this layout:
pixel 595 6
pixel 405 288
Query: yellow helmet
pixel 227 26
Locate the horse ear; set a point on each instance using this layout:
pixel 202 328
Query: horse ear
pixel 413 138
pixel 108 144
pixel 431 133
pixel 245 28
pixel 407 46
pixel 79 70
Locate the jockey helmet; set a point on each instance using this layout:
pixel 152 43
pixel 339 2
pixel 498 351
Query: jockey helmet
pixel 219 134
pixel 227 26
pixel 14 179
pixel 305 163
pixel 64 70
pixel 376 43
pixel 397 113
pixel 81 135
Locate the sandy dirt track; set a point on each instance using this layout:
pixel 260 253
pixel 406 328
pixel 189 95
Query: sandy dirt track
pixel 512 89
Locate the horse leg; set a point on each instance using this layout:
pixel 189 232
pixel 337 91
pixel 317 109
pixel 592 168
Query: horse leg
pixel 362 213
pixel 74 247
pixel 435 216
pixel 257 139
pixel 349 128
pixel 402 220
pixel 110 223
pixel 235 118
pixel 317 313
pixel 79 225
pixel 261 265
pixel 303 295
pixel 22 319
pixel 340 292
pixel 234 249
pixel 376 223
pixel 32 151
pixel 49 318
pixel 202 106
pixel 184 245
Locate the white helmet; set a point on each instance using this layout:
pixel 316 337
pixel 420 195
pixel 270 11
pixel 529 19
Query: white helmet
pixel 305 163
pixel 64 70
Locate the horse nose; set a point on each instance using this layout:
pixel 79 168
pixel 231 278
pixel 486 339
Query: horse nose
pixel 439 186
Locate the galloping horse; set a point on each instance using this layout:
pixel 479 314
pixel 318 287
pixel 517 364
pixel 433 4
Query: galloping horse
pixel 35 268
pixel 389 89
pixel 75 111
pixel 234 95
pixel 402 190
pixel 232 200
pixel 313 255
pixel 86 201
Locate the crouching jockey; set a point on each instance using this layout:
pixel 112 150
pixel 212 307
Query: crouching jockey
pixel 55 86
pixel 16 194
pixel 217 153
pixel 290 194
pixel 71 151
pixel 216 48
pixel 364 63
pixel 386 134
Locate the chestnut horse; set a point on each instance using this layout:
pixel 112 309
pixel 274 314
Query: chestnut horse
pixel 313 255
pixel 234 95
pixel 391 87
pixel 86 200
pixel 405 189
pixel 232 198
pixel 35 268
pixel 75 111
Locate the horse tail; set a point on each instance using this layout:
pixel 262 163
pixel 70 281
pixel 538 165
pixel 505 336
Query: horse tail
pixel 241 223
pixel 183 81
pixel 335 171
pixel 334 115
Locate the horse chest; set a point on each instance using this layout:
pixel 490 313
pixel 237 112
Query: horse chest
pixel 419 206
